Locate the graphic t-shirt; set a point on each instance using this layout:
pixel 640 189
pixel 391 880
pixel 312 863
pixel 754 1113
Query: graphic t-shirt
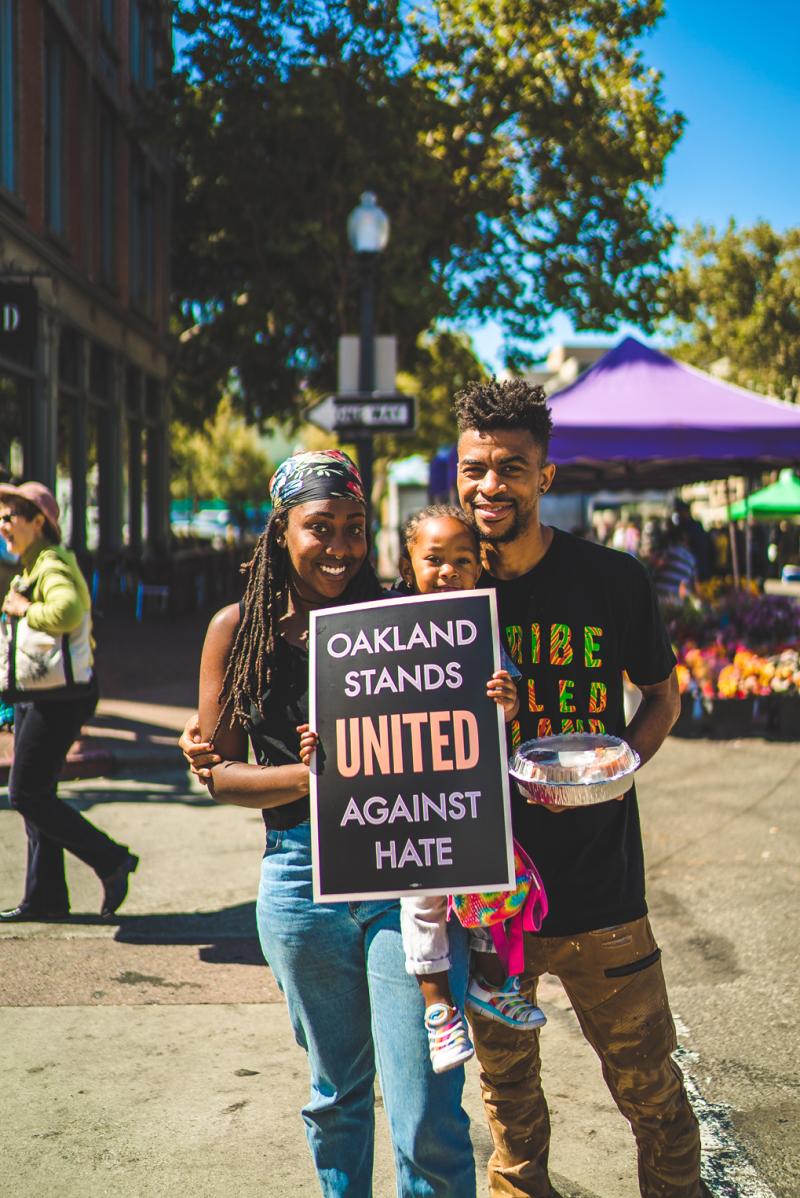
pixel 572 625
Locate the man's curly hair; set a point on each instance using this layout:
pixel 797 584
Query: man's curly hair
pixel 507 404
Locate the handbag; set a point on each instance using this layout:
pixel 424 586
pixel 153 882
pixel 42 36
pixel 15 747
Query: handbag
pixel 40 665
pixel 506 913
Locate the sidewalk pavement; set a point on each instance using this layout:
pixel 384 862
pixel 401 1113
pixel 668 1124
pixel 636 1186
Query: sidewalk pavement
pixel 153 1055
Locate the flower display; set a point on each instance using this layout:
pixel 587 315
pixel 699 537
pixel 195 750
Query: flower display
pixel 738 662
pixel 704 667
pixel 717 587
pixel 711 673
pixel 763 622
pixel 735 643
pixel 786 677
pixel 684 677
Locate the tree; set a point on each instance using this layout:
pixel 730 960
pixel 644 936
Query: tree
pixel 223 460
pixel 513 145
pixel 735 302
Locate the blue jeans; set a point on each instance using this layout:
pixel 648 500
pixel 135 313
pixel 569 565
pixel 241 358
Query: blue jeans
pixel 352 1007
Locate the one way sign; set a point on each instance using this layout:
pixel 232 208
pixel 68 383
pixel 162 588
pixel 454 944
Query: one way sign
pixel 377 412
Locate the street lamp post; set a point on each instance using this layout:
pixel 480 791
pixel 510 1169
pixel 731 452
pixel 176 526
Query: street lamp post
pixel 368 233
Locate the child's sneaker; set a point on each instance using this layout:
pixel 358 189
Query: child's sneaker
pixel 505 1004
pixel 448 1038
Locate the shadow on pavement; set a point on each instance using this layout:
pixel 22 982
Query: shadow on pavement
pixel 128 729
pixel 233 952
pixel 227 936
pixel 140 791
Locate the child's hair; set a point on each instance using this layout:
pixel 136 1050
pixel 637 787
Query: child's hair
pixel 434 511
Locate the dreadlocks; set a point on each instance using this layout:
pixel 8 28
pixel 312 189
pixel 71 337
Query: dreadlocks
pixel 253 656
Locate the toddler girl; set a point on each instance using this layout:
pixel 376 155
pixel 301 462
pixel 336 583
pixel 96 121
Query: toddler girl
pixel 439 552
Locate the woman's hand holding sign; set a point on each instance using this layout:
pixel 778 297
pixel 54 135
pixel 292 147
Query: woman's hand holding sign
pixel 308 743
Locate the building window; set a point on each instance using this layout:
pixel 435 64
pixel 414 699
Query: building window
pixel 142 236
pixel 108 56
pixel 142 46
pixel 136 43
pixel 8 88
pixel 107 196
pixel 55 215
pixel 107 17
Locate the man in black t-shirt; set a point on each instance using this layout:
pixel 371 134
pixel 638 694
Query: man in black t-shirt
pixel 576 616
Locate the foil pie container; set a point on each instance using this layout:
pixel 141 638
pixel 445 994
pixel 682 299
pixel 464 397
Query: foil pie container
pixel 574 770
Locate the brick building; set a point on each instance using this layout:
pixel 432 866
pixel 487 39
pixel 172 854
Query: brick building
pixel 84 282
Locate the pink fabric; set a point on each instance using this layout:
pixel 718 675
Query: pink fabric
pixel 508 938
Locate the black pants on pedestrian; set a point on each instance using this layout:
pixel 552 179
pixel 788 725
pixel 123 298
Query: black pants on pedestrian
pixel 43 734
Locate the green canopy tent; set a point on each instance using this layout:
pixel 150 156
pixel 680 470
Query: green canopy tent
pixel 778 501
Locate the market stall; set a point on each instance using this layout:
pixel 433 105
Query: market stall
pixel 638 418
pixel 780 500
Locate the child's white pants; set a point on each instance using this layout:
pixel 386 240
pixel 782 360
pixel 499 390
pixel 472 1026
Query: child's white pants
pixel 423 923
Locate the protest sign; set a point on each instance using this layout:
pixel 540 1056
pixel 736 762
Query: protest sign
pixel 409 788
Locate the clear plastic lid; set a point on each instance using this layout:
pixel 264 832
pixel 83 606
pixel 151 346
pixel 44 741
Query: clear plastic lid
pixel 578 759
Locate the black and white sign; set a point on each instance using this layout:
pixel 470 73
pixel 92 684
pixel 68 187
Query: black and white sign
pixel 374 413
pixel 409 791
pixel 18 316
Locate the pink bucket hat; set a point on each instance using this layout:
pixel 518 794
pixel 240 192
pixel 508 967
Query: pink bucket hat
pixel 39 496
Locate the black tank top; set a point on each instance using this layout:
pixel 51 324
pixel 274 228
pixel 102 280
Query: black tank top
pixel 274 735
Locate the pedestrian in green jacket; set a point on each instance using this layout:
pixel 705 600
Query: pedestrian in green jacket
pixel 51 596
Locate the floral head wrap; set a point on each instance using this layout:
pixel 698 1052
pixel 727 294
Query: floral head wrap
pixel 321 474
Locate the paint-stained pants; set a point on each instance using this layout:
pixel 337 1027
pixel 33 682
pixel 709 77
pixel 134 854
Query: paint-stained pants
pixel 614 981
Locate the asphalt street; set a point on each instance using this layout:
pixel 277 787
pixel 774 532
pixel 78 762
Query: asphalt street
pixel 154 1055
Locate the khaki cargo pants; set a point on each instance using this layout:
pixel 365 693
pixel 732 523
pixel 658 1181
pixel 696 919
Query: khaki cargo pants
pixel 613 979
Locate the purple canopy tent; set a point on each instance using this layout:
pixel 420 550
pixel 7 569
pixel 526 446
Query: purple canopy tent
pixel 637 419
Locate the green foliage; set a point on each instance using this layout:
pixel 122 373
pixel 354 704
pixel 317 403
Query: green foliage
pixel 737 297
pixel 223 460
pixel 512 144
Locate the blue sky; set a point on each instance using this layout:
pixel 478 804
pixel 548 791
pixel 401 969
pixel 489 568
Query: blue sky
pixel 733 69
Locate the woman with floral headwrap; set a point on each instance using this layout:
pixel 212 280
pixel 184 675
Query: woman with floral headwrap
pixel 340 965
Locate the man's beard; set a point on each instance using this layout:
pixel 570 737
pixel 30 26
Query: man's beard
pixel 515 529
